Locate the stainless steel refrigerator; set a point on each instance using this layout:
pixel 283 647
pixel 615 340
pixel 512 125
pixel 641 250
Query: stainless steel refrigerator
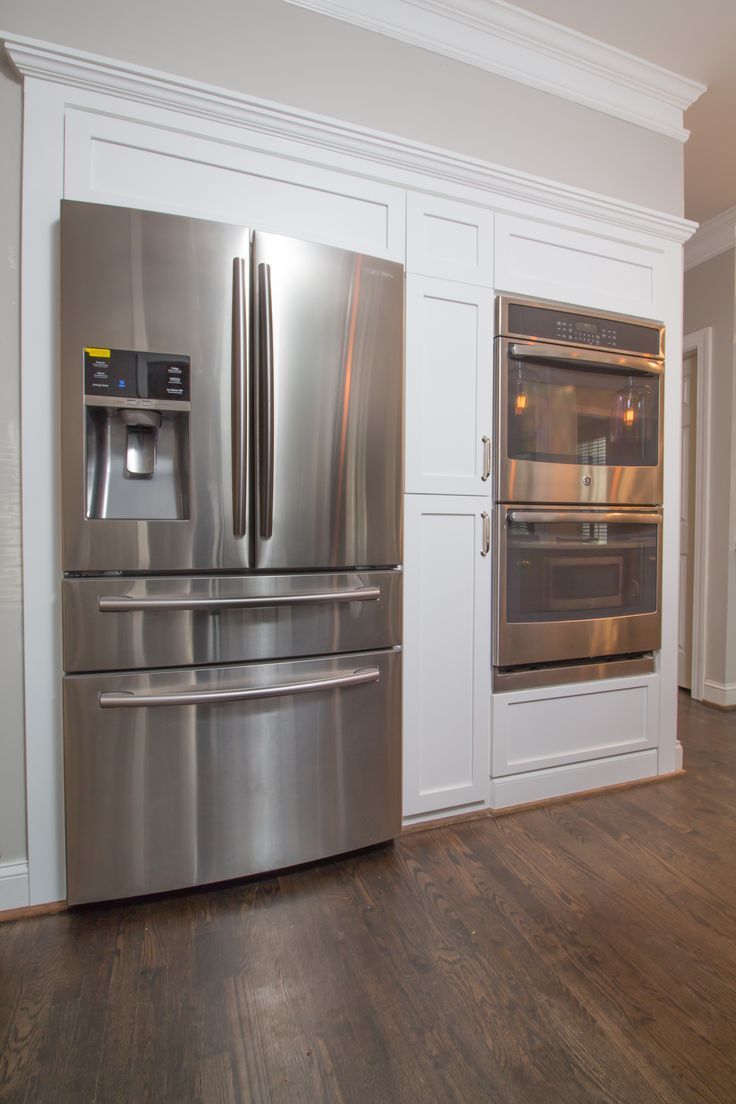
pixel 231 424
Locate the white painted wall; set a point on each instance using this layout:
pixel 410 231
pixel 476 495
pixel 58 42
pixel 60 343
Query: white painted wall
pixel 293 56
pixel 710 300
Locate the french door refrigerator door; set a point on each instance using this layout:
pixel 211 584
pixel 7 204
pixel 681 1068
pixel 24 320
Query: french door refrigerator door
pixel 329 406
pixel 155 391
pixel 181 777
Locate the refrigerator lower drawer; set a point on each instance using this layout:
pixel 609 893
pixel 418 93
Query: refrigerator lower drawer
pixel 180 778
pixel 123 623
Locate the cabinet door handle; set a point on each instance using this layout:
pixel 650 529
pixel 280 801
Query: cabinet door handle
pixel 486 457
pixel 486 533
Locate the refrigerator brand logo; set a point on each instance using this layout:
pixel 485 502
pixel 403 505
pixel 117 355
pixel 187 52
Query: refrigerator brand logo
pixel 380 272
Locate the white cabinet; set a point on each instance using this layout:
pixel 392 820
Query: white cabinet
pixel 556 740
pixel 556 262
pixel 448 239
pixel 447 655
pixel 449 372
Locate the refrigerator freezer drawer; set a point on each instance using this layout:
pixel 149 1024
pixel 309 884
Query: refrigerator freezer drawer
pixel 180 778
pixel 132 623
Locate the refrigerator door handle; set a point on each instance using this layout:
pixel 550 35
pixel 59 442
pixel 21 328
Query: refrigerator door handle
pixel 127 700
pixel 265 413
pixel 124 603
pixel 240 392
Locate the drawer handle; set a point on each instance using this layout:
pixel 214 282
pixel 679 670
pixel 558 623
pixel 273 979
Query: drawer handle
pixel 128 700
pixel 124 603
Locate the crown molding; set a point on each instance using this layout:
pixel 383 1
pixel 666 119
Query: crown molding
pixel 391 157
pixel 513 43
pixel 715 236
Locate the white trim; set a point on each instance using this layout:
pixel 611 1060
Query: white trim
pixel 13 885
pixel 452 812
pixel 701 343
pixel 715 236
pixel 43 184
pixel 720 693
pixel 391 157
pixel 522 46
pixel 541 785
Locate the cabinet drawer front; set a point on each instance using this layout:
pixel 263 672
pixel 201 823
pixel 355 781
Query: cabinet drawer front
pixel 170 795
pixel 182 621
pixel 549 727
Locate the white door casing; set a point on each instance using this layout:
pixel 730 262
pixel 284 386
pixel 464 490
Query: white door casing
pixel 687 534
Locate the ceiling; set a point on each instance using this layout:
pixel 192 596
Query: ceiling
pixel 694 38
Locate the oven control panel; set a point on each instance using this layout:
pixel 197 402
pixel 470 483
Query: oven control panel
pixel 558 323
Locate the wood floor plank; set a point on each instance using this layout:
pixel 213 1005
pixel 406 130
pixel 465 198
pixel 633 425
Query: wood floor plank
pixel 582 952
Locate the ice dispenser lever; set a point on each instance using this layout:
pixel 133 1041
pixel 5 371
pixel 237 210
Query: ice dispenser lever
pixel 142 428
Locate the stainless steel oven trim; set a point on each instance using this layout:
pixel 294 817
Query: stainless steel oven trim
pixel 548 482
pixel 573 639
pixel 503 302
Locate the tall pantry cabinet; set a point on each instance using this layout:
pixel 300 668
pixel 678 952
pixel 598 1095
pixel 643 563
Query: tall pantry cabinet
pixel 447 554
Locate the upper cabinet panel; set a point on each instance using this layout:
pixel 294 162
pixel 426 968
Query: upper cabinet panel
pixel 449 346
pixel 112 160
pixel 554 262
pixel 450 240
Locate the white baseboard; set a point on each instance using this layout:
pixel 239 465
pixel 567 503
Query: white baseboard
pixel 14 890
pixel 678 755
pixel 441 815
pixel 720 693
pixel 541 785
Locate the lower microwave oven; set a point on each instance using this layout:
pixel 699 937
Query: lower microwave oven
pixel 575 584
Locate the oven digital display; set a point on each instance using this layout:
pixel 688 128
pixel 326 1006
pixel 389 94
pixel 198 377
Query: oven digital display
pixel 530 320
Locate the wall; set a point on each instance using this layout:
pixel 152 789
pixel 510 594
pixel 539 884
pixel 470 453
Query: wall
pixel 710 301
pixel 293 56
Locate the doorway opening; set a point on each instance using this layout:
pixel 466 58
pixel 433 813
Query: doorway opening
pixel 694 522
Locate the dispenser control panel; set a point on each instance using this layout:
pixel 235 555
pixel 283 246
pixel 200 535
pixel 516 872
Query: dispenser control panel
pixel 140 378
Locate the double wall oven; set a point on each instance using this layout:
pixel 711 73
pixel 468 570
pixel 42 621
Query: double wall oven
pixel 578 489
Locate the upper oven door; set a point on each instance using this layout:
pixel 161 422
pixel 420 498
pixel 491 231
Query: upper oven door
pixel 577 425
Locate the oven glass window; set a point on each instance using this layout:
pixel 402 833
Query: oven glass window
pixel 577 415
pixel 572 571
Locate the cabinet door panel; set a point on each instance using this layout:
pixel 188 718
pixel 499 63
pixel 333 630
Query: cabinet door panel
pixel 449 340
pixel 448 239
pixel 447 660
pixel 557 262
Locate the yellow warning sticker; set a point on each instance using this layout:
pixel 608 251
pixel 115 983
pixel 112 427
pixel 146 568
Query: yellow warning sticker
pixel 98 352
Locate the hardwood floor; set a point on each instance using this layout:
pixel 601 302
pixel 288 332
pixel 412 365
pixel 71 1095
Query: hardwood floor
pixel 582 952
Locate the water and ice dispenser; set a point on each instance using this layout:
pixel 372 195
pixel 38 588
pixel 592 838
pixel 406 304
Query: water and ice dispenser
pixel 137 407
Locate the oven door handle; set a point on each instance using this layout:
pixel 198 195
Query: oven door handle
pixel 604 517
pixel 614 361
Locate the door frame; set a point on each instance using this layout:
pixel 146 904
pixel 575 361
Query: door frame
pixel 700 342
